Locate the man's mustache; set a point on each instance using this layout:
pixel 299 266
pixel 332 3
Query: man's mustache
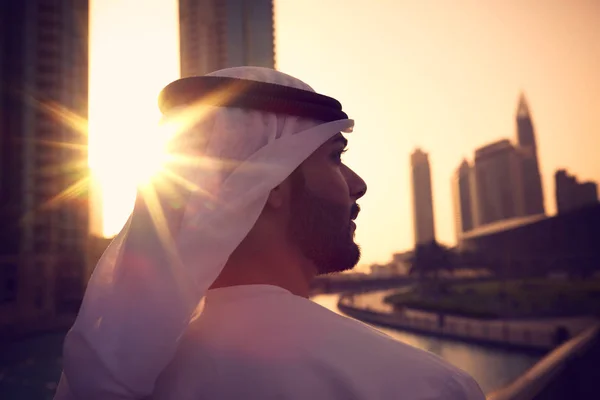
pixel 354 211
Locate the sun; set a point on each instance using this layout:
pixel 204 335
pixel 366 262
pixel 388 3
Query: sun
pixel 131 60
pixel 121 162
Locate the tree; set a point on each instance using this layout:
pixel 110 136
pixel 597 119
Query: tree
pixel 429 259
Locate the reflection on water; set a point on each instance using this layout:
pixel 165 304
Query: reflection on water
pixel 492 368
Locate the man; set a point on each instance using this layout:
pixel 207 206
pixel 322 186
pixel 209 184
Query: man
pixel 204 293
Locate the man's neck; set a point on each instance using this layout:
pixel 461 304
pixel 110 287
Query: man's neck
pixel 291 273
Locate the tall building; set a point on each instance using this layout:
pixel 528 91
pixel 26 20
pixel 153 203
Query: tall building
pixel 463 186
pixel 217 34
pixel 424 227
pixel 588 193
pixel 43 156
pixel 498 183
pixel 533 194
pixel 571 194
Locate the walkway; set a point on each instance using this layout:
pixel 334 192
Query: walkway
pixel 534 334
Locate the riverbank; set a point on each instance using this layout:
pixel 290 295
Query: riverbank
pixel 539 335
pixel 503 299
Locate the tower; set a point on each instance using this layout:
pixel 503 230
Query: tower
pixel 424 227
pixel 43 154
pixel 533 194
pixel 463 199
pixel 216 34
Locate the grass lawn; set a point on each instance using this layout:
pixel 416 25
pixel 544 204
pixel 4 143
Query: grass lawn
pixel 515 299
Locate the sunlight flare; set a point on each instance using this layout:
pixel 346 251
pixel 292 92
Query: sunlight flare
pixel 67 117
pixel 75 190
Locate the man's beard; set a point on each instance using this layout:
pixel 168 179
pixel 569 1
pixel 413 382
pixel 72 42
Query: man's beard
pixel 322 230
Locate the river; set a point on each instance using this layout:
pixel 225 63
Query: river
pixel 492 368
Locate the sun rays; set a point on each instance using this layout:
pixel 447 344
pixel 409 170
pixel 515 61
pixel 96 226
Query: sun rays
pixel 76 190
pixel 67 117
pixel 129 166
pixel 160 159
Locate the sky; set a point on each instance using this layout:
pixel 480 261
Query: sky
pixel 443 75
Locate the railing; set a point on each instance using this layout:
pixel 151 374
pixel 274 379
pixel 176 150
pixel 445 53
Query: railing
pixel 538 379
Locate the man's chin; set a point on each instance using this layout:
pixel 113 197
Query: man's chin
pixel 344 261
pixel 333 271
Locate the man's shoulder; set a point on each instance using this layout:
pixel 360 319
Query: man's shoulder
pixel 297 337
pixel 347 342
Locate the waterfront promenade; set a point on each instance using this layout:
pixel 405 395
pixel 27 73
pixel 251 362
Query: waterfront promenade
pixel 535 334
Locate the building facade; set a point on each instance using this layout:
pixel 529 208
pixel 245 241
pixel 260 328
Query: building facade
pixel 498 183
pixel 43 162
pixel 571 194
pixel 463 186
pixel 216 34
pixel 424 224
pixel 537 245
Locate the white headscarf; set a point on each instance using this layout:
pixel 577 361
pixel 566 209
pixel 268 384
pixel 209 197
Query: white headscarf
pixel 149 282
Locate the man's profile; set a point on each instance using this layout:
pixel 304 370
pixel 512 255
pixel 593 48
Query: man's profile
pixel 219 308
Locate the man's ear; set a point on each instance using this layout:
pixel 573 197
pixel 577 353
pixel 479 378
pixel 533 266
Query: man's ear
pixel 280 195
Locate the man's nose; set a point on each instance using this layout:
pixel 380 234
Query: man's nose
pixel 356 185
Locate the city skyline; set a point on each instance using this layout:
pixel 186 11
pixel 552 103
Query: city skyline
pixel 410 74
pixel 508 191
pixel 504 180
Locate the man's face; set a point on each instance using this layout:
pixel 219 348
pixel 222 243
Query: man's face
pixel 323 206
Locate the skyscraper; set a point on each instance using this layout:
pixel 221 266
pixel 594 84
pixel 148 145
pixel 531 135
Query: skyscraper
pixel 498 183
pixel 533 194
pixel 571 194
pixel 424 228
pixel 463 186
pixel 43 161
pixel 217 34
